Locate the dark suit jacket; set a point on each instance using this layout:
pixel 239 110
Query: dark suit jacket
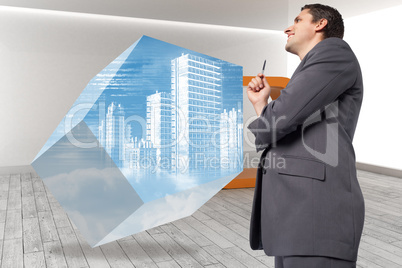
pixel 307 199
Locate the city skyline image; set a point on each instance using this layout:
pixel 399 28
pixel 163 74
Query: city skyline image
pixel 151 138
pixel 168 117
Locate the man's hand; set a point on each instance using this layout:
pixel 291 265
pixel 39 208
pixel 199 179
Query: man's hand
pixel 258 92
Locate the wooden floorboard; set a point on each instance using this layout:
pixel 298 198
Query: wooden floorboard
pixel 36 232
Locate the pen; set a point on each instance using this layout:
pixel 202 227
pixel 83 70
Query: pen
pixel 263 67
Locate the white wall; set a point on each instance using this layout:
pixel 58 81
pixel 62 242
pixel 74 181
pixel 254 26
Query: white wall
pixel 375 39
pixel 48 57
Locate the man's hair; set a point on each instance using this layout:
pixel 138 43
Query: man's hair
pixel 334 27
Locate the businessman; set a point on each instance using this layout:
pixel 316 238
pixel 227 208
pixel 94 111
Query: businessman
pixel 309 211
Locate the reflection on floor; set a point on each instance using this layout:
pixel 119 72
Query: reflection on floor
pixel 35 232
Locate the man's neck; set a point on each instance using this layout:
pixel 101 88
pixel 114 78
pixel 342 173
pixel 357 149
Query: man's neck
pixel 312 44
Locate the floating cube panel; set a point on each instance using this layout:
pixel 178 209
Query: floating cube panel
pixel 151 138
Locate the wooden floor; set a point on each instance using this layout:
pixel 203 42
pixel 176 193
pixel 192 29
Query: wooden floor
pixel 35 232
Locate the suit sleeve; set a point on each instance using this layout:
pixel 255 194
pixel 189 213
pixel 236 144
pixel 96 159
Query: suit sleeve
pixel 328 71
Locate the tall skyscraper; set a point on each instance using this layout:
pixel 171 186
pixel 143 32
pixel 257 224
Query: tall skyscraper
pixel 197 101
pixel 115 133
pixel 159 127
pixel 231 138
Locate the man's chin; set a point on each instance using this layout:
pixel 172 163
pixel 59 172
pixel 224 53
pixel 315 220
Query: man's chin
pixel 289 49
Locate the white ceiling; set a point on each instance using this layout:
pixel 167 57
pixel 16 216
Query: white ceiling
pixel 260 14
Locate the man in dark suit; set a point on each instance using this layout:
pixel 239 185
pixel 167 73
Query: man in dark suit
pixel 308 211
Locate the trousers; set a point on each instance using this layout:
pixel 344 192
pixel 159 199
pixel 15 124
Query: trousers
pixel 312 262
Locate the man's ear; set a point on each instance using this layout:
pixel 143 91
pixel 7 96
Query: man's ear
pixel 321 25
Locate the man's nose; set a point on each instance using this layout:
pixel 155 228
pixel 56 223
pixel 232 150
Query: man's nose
pixel 288 29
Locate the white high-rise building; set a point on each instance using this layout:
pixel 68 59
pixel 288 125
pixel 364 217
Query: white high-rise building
pixel 115 133
pixel 159 127
pixel 197 101
pixel 231 138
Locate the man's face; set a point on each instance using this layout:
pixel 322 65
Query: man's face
pixel 301 33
